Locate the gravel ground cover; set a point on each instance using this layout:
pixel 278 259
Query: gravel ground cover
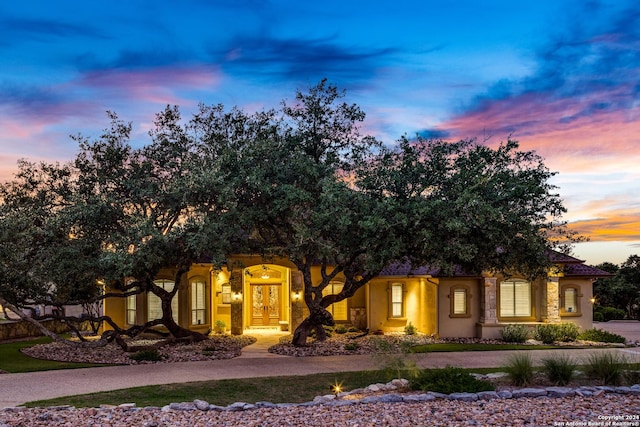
pixel 602 410
pixel 216 347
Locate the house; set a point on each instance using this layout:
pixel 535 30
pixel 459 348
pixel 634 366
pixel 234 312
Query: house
pixel 260 295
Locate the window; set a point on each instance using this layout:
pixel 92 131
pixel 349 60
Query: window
pixel 337 309
pixel 198 302
pixel 459 298
pixel 131 309
pixel 396 300
pixel 570 300
pixel 154 304
pixel 515 298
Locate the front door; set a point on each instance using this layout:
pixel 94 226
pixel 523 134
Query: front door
pixel 265 305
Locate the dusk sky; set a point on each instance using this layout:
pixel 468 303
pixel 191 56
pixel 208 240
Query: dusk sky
pixel 562 77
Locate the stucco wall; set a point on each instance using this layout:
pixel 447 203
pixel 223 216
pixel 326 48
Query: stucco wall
pixel 457 326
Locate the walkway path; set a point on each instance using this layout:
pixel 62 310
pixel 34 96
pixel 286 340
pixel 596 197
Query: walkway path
pixel 16 389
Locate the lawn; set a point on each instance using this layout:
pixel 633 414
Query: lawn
pixel 290 389
pixel 450 347
pixel 13 361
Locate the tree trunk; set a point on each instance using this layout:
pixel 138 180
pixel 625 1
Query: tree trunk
pixel 318 317
pixel 174 329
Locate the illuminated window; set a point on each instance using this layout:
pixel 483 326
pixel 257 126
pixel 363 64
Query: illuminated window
pixel 570 300
pixel 131 309
pixel 198 302
pixel 154 304
pixel 337 309
pixel 459 298
pixel 396 300
pixel 515 298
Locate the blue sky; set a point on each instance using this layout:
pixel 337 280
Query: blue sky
pixel 559 76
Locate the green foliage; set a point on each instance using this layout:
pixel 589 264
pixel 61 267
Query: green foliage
pixel 515 333
pixel 520 369
pixel 353 329
pixel 559 369
pixel 449 380
pixel 598 316
pixel 352 346
pixel 149 355
pixel 632 373
pixel 609 313
pixel 606 367
pixel 546 333
pixel 340 329
pixel 220 327
pixel 410 329
pixel 396 364
pixel 552 332
pixel 600 335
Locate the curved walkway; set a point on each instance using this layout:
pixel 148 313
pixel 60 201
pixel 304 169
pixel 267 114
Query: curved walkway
pixel 16 389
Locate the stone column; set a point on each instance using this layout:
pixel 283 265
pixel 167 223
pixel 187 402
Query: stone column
pixel 235 280
pixel 488 300
pixel 297 306
pixel 553 300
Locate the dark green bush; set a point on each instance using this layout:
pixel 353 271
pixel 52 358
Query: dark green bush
pixel 353 329
pixel 515 333
pixel 609 313
pixel 449 380
pixel 351 346
pixel 546 333
pixel 410 329
pixel 341 329
pixel 599 335
pixel 598 316
pixel 150 355
pixel 551 332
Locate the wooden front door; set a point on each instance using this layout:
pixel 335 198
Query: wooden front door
pixel 265 305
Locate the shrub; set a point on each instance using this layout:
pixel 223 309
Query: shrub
pixel 598 316
pixel 449 380
pixel 515 333
pixel 410 329
pixel 568 332
pixel 351 346
pixel 599 335
pixel 632 373
pixel 220 327
pixel 341 329
pixel 605 367
pixel 353 329
pixel 150 355
pixel 609 313
pixel 559 369
pixel 546 333
pixel 520 369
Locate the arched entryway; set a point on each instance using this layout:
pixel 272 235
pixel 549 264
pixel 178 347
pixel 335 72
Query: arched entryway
pixel 267 296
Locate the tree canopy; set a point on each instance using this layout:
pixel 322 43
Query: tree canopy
pixel 300 182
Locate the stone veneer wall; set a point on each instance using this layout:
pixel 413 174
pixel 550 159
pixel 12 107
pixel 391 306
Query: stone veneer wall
pixel 20 329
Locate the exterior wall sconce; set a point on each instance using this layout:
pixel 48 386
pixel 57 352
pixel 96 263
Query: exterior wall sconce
pixel 295 297
pixel 237 296
pixel 593 300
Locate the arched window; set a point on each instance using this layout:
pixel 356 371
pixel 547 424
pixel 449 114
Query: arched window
pixel 154 304
pixel 515 298
pixel 570 300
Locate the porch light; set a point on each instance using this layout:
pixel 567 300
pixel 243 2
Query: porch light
pixel 237 296
pixel 295 296
pixel 265 273
pixel 593 300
